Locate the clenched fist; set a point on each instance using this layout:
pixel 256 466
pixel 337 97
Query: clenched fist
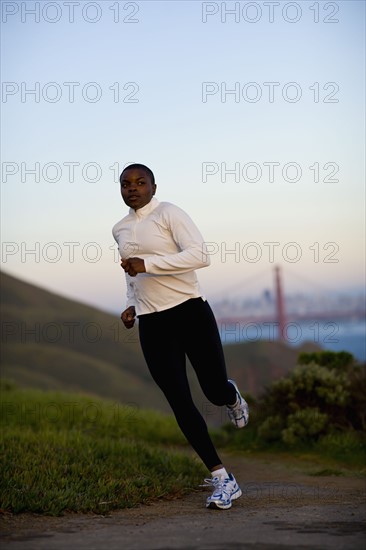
pixel 133 266
pixel 128 317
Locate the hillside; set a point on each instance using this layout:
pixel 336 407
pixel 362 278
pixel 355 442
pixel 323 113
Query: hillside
pixel 51 342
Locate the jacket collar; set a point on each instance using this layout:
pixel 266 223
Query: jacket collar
pixel 145 210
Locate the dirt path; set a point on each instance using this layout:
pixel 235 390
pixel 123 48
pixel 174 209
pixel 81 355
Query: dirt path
pixel 282 507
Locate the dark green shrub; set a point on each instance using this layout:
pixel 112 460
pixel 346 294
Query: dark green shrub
pixel 330 359
pixel 325 394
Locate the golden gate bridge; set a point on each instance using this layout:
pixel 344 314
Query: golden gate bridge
pixel 282 318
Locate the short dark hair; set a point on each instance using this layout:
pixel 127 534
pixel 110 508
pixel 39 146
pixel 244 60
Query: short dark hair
pixel 141 167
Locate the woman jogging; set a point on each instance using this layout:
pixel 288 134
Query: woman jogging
pixel 161 248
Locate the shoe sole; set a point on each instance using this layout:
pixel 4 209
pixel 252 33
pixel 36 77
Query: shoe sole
pixel 239 423
pixel 237 494
pixel 242 420
pixel 215 506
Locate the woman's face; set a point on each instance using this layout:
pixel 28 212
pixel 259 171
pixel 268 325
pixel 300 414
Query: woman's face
pixel 136 187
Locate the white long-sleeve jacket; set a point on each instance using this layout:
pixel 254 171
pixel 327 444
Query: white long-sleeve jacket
pixel 172 247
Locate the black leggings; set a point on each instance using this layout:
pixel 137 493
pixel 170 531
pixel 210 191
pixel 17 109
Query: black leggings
pixel 166 338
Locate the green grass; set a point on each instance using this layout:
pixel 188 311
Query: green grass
pixel 67 452
pixel 72 452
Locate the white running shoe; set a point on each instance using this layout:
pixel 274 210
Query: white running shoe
pixel 238 413
pixel 226 490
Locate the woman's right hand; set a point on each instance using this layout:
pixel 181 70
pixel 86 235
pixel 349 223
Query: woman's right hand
pixel 128 317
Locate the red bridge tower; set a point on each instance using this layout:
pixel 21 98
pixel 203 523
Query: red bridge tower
pixel 280 306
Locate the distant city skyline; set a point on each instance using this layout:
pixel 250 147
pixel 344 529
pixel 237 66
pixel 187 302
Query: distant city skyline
pixel 298 305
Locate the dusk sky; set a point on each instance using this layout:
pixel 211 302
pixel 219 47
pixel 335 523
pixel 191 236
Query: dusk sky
pixel 250 114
